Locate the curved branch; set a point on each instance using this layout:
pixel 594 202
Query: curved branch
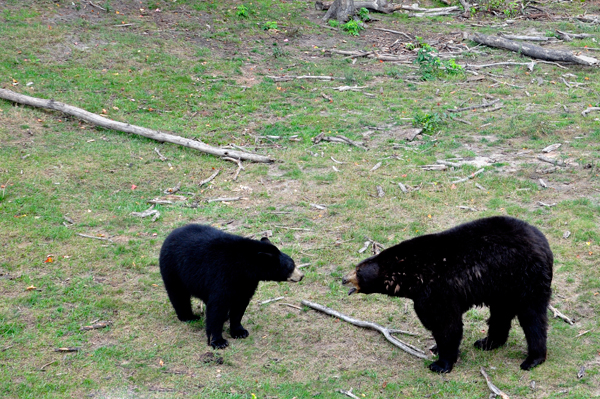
pixel 408 348
pixel 127 128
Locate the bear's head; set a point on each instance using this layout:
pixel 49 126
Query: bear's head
pixel 366 278
pixel 276 265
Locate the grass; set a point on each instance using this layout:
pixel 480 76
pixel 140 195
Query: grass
pixel 170 71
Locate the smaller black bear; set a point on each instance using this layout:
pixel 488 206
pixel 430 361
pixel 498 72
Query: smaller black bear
pixel 500 262
pixel 221 269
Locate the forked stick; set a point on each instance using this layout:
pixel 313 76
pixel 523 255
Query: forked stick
pixel 387 332
pixel 492 387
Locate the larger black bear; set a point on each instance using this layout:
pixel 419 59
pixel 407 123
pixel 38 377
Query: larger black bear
pixel 221 269
pixel 500 262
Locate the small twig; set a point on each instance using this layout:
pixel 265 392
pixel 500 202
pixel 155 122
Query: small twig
pixel 326 97
pixel 558 314
pixel 224 199
pixel 96 326
pixel 472 175
pixel 210 178
pixel 47 364
pixel 319 206
pixel 303 265
pixel 173 190
pixel 6 348
pixel 484 105
pixel 479 186
pixel 97 6
pixel 290 305
pixel 271 300
pixel 148 212
pixel 94 237
pixel 367 324
pixel 492 387
pixel 394 31
pixel 582 333
pixel 292 228
pixel 160 156
pixel 347 393
pixel 336 161
pixel 123 25
pixel 70 349
pixel 540 203
pixel 589 109
pixel 239 164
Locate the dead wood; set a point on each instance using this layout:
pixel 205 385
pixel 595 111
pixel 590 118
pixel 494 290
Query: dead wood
pixel 484 105
pixel 338 139
pixel 552 147
pixel 403 187
pixel 472 175
pixel 71 349
pixel 224 199
pixel 96 326
pixel 433 167
pixel 173 190
pixel 271 300
pixel 209 178
pixel 589 109
pixel 527 38
pixel 239 164
pixel 380 192
pixel 529 65
pixel 160 156
pixel 394 31
pixel 128 128
pixel 495 390
pixel 94 237
pixel 367 324
pixel 347 393
pixel 148 212
pixel 559 315
pixel 47 364
pixel 555 162
pixel 532 50
pixel 309 77
pixel 289 305
pixel 567 37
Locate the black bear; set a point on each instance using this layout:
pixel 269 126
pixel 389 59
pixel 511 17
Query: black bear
pixel 221 269
pixel 501 262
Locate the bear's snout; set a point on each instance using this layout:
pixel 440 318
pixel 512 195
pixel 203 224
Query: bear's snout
pixel 296 276
pixel 351 278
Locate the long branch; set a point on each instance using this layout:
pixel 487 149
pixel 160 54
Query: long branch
pixel 367 324
pixel 128 128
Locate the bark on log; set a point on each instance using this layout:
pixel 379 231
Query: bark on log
pixel 127 128
pixel 532 50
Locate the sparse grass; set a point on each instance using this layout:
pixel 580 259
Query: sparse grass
pixel 169 71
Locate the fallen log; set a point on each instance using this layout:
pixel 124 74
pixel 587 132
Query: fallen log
pixel 532 50
pixel 128 128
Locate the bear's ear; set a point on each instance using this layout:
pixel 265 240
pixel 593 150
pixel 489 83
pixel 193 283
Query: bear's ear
pixel 265 239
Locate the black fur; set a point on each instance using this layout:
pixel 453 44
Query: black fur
pixel 500 262
pixel 221 269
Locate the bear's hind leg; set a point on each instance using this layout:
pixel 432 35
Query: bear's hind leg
pixel 238 308
pixel 216 315
pixel 181 300
pixel 499 325
pixel 447 340
pixel 534 321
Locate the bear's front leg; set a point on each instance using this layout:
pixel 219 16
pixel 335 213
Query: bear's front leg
pixel 216 315
pixel 448 339
pixel 238 308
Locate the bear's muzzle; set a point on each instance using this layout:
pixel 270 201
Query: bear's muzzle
pixel 296 276
pixel 351 279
